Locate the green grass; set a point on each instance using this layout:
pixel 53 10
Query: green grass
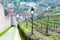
pixel 53 37
pixel 4 32
pixel 44 22
pixel 23 27
pixel 51 21
pixel 21 35
pixel 26 30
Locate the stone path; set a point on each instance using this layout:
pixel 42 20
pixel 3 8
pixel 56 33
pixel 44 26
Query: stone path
pixel 17 36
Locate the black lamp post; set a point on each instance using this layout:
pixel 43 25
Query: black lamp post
pixel 47 22
pixel 32 13
pixel 47 26
pixel 26 19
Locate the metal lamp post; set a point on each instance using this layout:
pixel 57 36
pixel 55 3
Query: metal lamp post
pixel 47 26
pixel 32 13
pixel 26 19
pixel 47 23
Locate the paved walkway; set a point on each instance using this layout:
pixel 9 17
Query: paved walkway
pixel 17 36
pixel 12 34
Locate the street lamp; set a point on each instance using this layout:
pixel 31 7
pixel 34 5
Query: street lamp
pixel 47 23
pixel 32 13
pixel 26 19
pixel 47 26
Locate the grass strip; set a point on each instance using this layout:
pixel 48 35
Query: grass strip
pixel 21 34
pixel 1 34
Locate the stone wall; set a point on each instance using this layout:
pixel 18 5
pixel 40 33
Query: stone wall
pixel 4 20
